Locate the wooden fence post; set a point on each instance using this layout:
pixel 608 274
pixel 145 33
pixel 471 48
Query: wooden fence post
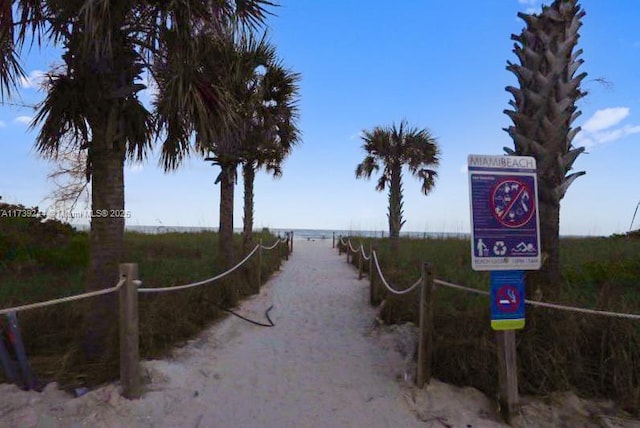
pixel 372 279
pixel 291 243
pixel 259 267
pixel 348 250
pixel 425 340
pixel 333 240
pixel 507 373
pixel 129 348
pixel 285 248
pixel 360 254
pixel 339 243
pixel 370 261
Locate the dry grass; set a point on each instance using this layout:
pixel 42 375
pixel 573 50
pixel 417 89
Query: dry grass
pixel 557 351
pixel 53 335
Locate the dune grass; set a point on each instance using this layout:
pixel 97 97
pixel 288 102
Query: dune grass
pixel 593 355
pixel 34 269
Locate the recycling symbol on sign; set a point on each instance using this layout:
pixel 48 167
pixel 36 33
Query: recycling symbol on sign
pixel 499 249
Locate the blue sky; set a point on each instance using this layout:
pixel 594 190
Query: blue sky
pixel 439 64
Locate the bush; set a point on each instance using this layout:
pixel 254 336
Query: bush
pixel 28 240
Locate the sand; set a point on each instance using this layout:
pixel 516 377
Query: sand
pixel 326 363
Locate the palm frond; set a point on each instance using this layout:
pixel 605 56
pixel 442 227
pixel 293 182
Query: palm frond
pixel 136 125
pixel 10 69
pixel 252 13
pixel 368 166
pixel 399 145
pixel 62 114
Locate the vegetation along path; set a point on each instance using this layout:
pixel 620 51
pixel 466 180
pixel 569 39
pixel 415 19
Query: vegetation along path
pixel 323 364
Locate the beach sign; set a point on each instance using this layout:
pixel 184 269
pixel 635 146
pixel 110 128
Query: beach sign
pixel 507 300
pixel 505 231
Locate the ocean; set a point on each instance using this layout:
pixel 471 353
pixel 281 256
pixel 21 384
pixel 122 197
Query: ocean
pixel 298 234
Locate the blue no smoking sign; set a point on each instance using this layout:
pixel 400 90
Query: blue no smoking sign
pixel 505 233
pixel 507 300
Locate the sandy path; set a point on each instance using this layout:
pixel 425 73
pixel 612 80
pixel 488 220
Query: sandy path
pixel 315 368
pixel 325 364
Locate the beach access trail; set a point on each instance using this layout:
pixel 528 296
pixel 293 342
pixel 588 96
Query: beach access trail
pixel 325 364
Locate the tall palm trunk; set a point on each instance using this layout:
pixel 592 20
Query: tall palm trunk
pixel 544 108
pixel 395 204
pixel 105 243
pixel 225 243
pixel 248 175
pixel 548 277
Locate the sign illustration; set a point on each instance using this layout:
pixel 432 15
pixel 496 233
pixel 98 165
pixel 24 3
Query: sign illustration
pixel 512 203
pixel 507 298
pixel 504 213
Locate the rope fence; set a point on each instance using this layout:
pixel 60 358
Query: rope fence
pixel 128 289
pixel 505 339
pixel 64 299
pixel 386 284
pixel 486 293
pixel 203 282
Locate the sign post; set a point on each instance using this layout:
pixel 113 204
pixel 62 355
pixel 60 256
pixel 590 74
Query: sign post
pixel 505 239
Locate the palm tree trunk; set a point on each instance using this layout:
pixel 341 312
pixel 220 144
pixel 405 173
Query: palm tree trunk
pixel 395 204
pixel 106 240
pixel 225 232
pixel 249 175
pixel 546 282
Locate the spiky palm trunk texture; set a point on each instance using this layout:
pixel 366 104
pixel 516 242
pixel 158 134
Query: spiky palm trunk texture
pixel 544 107
pixel 248 176
pixel 395 204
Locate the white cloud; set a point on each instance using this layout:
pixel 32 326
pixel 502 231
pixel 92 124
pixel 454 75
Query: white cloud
pixel 33 80
pixel 616 134
pixel 605 118
pixel 528 2
pixel 464 169
pixel 356 136
pixel 24 120
pixel 531 11
pixel 2 124
pixel 600 128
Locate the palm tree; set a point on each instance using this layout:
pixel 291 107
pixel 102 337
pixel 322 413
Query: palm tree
pixel 221 72
pixel 272 132
pixel 92 100
pixel 393 147
pixel 544 107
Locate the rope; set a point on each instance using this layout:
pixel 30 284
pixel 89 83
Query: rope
pixel 364 256
pixel 196 284
pixel 460 287
pixel 64 299
pixel 546 305
pixel 271 247
pixel 343 242
pixel 583 310
pixel 384 281
pixel 353 250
